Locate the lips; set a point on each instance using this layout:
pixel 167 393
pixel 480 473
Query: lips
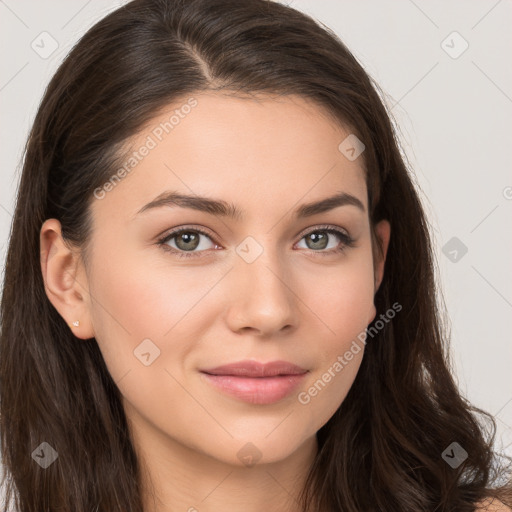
pixel 254 382
pixel 256 369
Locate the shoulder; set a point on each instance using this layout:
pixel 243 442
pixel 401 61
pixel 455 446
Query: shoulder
pixel 494 505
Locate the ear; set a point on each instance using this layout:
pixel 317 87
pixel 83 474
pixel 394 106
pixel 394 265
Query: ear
pixel 65 279
pixel 380 250
pixel 383 232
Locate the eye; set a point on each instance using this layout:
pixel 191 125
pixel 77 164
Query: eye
pixel 186 240
pixel 319 238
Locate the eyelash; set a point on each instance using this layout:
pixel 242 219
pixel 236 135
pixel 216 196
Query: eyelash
pixel 347 241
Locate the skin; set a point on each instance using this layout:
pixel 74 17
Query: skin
pixel 492 505
pixel 268 156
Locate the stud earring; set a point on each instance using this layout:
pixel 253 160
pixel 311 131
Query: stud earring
pixel 76 323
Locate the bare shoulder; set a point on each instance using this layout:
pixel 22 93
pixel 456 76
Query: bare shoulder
pixel 489 505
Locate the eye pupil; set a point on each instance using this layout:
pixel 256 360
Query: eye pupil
pixel 321 239
pixel 189 237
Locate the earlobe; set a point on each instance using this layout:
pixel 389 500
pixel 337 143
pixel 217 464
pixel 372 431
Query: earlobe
pixel 65 284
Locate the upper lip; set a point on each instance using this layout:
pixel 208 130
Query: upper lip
pixel 256 369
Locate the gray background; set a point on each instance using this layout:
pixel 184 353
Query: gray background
pixel 453 110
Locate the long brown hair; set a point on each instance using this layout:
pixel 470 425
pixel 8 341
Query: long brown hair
pixel 383 448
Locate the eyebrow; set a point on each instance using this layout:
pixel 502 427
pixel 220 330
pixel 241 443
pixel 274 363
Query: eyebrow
pixel 223 208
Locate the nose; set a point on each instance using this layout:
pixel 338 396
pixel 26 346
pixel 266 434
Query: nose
pixel 261 296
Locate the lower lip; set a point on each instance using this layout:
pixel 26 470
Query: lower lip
pixel 257 390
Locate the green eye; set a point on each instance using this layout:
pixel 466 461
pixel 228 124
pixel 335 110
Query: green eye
pixel 190 238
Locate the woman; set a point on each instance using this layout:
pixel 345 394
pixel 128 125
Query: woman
pixel 219 289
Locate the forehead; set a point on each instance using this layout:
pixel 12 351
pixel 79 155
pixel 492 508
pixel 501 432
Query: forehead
pixel 254 151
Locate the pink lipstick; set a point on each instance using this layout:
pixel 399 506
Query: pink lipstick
pixel 254 382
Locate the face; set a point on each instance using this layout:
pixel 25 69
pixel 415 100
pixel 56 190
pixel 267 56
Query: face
pixel 171 291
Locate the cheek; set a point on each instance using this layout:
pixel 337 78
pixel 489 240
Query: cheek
pixel 341 297
pixel 342 300
pixel 327 388
pixel 144 320
pixel 339 354
pixel 137 298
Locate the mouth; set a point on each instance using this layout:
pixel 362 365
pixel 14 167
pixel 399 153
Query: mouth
pixel 256 390
pixel 254 382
